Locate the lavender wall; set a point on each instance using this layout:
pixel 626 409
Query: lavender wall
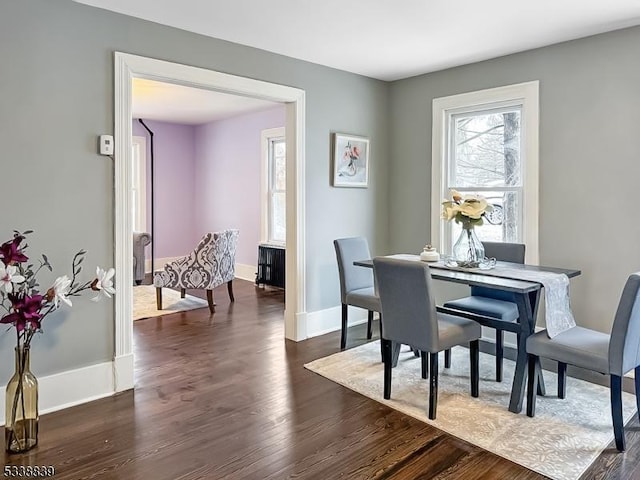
pixel 174 164
pixel 227 185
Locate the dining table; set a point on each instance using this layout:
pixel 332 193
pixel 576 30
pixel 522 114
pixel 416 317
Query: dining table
pixel 504 276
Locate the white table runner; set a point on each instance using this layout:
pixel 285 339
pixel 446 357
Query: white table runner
pixel 556 295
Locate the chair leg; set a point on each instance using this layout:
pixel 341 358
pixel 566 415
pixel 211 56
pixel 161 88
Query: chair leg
pixel 212 307
pixel 433 385
pixel 447 358
pixel 416 352
pixel 637 382
pixel 159 298
pixel 386 345
pixel 474 359
pixel 499 354
pixel 369 325
pixel 425 364
pixel 562 379
pixel 532 385
pixel 183 292
pixel 230 290
pixel 381 344
pixel 343 336
pixel 616 411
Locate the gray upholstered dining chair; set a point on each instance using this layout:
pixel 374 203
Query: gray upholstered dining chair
pixel 356 283
pixel 614 354
pixel 492 303
pixel 409 316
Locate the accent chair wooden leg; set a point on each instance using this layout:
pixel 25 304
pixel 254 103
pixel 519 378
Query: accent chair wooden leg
pixel 386 345
pixel 433 385
pixel 425 364
pixel 474 360
pixel 230 290
pixel 159 298
pixel 637 382
pixel 369 324
pixel 416 352
pixel 343 336
pixel 499 354
pixel 447 358
pixel 562 379
pixel 183 292
pixel 532 383
pixel 212 306
pixel 616 411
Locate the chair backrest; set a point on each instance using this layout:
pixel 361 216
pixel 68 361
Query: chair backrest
pixel 408 303
pixel 504 252
pixel 624 345
pixel 223 253
pixel 348 250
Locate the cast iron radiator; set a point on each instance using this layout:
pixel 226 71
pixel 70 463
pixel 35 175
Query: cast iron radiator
pixel 270 265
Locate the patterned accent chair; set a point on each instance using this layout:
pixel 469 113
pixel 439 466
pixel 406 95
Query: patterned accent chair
pixel 211 264
pixel 140 240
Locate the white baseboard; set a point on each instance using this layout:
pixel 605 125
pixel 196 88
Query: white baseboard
pixel 123 373
pixel 246 272
pixel 70 388
pixel 330 320
pixel 159 263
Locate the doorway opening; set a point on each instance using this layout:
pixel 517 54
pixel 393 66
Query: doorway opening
pixel 128 67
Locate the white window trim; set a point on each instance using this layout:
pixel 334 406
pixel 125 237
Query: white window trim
pixel 525 94
pixel 265 201
pixel 141 207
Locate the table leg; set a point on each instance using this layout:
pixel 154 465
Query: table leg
pixel 527 306
pixel 534 301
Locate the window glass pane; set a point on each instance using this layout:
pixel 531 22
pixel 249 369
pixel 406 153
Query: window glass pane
pixel 279 173
pixel 278 217
pixel 499 225
pixel 280 148
pixel 486 149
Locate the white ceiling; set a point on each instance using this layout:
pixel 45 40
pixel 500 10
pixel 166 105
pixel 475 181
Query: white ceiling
pixel 189 106
pixel 387 39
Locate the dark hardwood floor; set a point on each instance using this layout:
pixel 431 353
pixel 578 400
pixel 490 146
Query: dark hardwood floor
pixel 224 396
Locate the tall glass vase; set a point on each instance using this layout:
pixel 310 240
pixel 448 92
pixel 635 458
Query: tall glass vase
pixel 468 250
pixel 21 407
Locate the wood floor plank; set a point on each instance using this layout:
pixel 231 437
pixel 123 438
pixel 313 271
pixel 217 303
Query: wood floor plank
pixel 224 396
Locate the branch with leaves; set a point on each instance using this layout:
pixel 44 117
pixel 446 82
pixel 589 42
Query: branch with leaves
pixel 25 306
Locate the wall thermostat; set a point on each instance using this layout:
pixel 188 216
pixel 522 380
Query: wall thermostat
pixel 106 144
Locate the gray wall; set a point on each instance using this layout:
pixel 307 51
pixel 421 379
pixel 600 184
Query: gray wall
pixel 56 96
pixel 589 165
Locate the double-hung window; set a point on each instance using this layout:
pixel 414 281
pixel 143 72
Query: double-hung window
pixel 486 143
pixel 274 229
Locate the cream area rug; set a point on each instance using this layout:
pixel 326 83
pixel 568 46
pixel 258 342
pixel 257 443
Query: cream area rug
pixel 144 302
pixel 561 441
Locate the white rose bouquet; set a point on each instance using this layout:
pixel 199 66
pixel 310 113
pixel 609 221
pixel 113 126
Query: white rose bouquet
pixel 467 210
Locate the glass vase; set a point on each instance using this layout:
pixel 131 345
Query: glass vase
pixel 21 407
pixel 468 250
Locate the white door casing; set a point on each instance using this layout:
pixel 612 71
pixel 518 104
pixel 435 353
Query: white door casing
pixel 129 66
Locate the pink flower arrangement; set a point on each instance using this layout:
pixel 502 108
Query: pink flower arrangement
pixel 351 153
